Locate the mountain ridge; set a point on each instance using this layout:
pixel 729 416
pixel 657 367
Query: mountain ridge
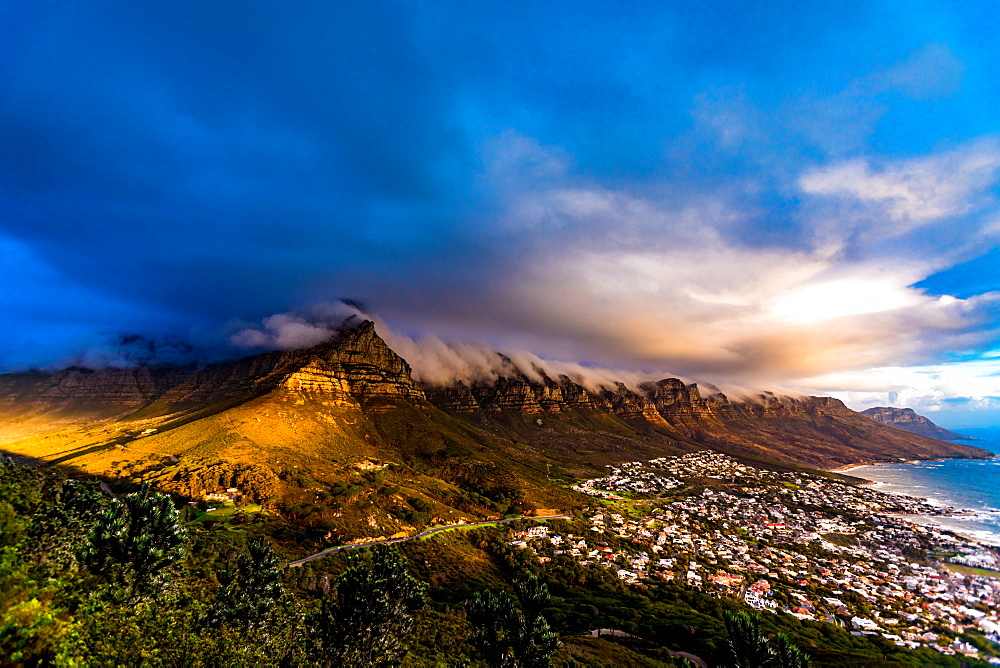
pixel 909 420
pixel 287 427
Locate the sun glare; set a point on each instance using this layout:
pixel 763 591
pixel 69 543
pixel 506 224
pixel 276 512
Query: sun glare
pixel 840 298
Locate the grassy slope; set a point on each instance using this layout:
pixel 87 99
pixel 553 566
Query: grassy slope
pixel 301 453
pixel 289 450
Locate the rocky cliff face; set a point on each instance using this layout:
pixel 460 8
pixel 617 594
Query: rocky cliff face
pixel 355 369
pixel 907 420
pixel 368 365
pixel 681 404
pixel 117 389
pixel 817 431
pixel 629 405
pixel 667 402
pixel 353 366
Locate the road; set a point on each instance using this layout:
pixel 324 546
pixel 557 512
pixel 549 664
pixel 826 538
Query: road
pixel 422 534
pixel 598 633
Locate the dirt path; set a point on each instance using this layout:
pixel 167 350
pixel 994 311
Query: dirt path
pixel 422 534
pixel 599 633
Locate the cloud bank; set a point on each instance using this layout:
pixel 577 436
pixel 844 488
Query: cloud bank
pixel 615 275
pixel 434 361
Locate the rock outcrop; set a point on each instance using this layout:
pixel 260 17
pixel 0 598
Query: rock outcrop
pixel 370 367
pixel 908 420
pixel 816 431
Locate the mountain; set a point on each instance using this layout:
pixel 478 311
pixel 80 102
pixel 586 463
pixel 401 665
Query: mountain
pixel 305 431
pixel 817 432
pixel 907 420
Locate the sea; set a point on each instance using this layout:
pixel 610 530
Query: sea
pixel 965 484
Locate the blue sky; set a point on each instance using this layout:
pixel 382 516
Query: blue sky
pixel 797 195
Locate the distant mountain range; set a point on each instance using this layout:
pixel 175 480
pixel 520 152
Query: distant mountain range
pixel 283 427
pixel 907 420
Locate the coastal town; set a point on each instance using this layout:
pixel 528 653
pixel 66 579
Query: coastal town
pixel 792 543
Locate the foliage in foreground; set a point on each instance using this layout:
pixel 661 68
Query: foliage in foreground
pixel 749 647
pixel 88 579
pixel 371 618
pixel 506 636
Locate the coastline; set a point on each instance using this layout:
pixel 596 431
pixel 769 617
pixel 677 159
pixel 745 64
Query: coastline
pixel 848 467
pixel 954 515
pixel 929 521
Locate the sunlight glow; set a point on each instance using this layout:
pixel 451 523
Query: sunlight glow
pixel 841 298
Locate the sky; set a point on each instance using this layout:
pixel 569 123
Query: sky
pixel 769 194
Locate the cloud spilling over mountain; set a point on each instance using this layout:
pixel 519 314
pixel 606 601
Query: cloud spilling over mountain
pixel 434 361
pixel 644 279
pixel 132 350
pixel 291 331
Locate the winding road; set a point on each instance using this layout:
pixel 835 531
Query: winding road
pixel 422 534
pixel 598 633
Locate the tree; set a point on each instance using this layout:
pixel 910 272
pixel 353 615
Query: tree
pixel 509 638
pixel 491 614
pixel 134 542
pixel 371 617
pixel 20 493
pixel 748 646
pixel 535 642
pixel 788 655
pixel 250 589
pixel 58 528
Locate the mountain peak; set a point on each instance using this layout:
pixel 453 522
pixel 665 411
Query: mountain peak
pixel 909 420
pixel 355 360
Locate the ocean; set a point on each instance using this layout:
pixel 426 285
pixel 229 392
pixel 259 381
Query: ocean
pixel 961 483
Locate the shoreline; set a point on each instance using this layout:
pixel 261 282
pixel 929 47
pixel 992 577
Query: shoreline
pixel 929 522
pixel 848 467
pixel 909 462
pixel 938 522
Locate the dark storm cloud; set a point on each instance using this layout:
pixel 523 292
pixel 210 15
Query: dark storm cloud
pixel 231 151
pixel 246 150
pixel 655 185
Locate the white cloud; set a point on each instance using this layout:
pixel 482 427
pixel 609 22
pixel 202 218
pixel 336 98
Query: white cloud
pixel 931 72
pixel 915 191
pixel 735 314
pixel 841 297
pixel 953 387
pixel 292 331
pixel 630 278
